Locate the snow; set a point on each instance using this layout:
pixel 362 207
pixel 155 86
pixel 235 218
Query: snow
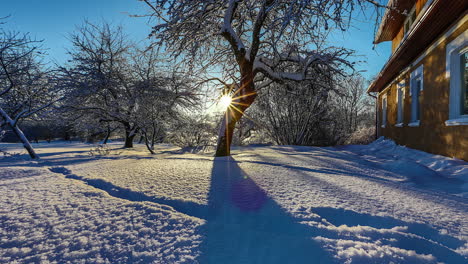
pixel 377 203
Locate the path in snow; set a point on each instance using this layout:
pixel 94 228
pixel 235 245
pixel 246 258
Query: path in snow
pixel 185 207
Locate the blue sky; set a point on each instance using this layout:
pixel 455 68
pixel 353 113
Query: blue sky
pixel 53 20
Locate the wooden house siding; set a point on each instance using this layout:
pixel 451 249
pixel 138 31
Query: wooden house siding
pixel 419 5
pixel 400 35
pixel 397 39
pixel 432 135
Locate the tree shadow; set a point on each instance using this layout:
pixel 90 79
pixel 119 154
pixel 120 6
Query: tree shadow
pixel 244 225
pixel 6 175
pixel 434 185
pixel 50 160
pixel 113 190
pixel 417 237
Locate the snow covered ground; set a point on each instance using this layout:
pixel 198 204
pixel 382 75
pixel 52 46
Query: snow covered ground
pixel 379 203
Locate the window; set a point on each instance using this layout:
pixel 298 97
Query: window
pixel 464 82
pixel 457 72
pixel 416 87
pixel 400 103
pixel 410 20
pixel 384 110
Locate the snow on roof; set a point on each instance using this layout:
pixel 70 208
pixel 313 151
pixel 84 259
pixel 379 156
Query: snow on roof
pixel 392 19
pixel 385 17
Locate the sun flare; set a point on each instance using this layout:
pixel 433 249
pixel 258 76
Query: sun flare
pixel 225 101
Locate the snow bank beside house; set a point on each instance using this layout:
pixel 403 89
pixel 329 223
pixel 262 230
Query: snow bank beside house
pixel 423 167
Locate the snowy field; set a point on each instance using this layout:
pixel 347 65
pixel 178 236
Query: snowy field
pixel 379 203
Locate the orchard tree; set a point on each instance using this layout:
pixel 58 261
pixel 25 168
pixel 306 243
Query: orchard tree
pixel 98 79
pixel 258 41
pixel 112 82
pixel 26 89
pixel 163 94
pixel 297 114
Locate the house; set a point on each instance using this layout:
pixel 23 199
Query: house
pixel 422 91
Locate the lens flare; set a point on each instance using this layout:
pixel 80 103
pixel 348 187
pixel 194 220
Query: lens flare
pixel 225 101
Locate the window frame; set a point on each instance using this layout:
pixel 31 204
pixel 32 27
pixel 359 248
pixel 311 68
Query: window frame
pixel 384 110
pixel 410 19
pixel 401 103
pixel 454 50
pixel 416 75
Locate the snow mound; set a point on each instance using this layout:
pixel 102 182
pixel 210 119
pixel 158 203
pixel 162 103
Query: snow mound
pixel 422 168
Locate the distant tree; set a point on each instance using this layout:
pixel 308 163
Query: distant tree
pixel 111 82
pixel 98 80
pixel 193 132
pixel 298 114
pixel 256 41
pixel 351 102
pixel 26 89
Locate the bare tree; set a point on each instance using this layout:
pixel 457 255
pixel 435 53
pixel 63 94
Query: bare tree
pixel 99 82
pixel 256 39
pixel 162 106
pixel 25 87
pixel 351 101
pixel 113 82
pixel 297 114
pixel 194 132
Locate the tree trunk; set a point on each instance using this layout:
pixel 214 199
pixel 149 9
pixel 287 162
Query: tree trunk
pixel 129 136
pixel 243 98
pixel 148 146
pixel 107 135
pixel 19 134
pixel 130 133
pixel 225 135
pixel 153 137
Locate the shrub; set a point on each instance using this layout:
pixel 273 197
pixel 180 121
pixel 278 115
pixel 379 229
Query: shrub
pixel 362 136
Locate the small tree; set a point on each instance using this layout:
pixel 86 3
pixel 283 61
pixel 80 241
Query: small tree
pixel 193 132
pixel 164 93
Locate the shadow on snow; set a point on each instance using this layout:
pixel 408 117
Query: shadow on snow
pixel 244 225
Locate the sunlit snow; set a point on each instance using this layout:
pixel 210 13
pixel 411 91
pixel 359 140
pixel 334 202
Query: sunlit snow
pixel 379 203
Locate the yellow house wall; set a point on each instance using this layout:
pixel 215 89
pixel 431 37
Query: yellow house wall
pixel 432 135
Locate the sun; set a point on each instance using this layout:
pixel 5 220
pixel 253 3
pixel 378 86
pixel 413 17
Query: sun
pixel 225 101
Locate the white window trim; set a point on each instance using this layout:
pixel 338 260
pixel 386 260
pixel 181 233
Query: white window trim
pixel 416 74
pixel 384 117
pixel 462 121
pixel 401 86
pixel 414 124
pixel 452 71
pixel 422 15
pixel 408 18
